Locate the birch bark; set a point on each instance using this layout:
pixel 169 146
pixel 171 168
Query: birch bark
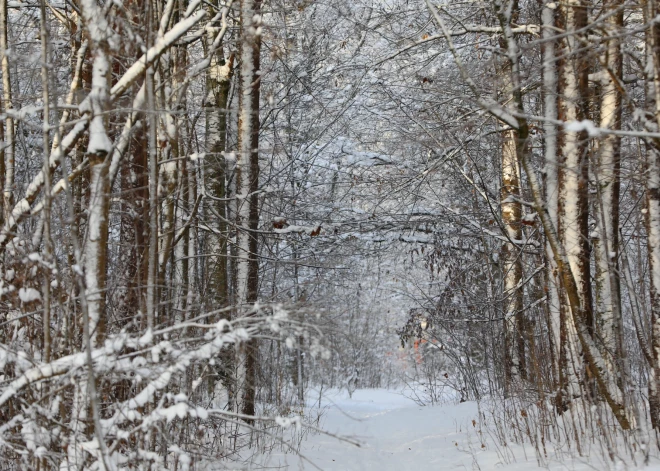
pixel 247 184
pixel 48 248
pixel 653 206
pixel 578 311
pixel 608 302
pixel 218 84
pixel 9 141
pixel 218 80
pixel 551 171
pixel 511 210
pixel 573 177
pixel 98 149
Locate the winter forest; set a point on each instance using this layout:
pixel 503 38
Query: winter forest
pixel 329 234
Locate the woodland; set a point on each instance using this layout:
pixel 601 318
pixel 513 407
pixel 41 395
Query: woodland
pixel 215 211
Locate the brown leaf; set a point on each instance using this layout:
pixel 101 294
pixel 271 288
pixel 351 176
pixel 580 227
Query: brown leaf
pixel 279 223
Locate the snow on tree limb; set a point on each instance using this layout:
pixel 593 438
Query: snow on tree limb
pixel 23 207
pixel 162 44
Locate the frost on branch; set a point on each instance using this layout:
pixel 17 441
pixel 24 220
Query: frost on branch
pixel 153 384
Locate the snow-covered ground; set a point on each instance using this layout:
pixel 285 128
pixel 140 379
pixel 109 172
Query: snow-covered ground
pixel 397 434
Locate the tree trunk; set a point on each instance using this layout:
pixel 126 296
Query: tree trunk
pixel 152 263
pixel 218 84
pixel 553 287
pixel 512 262
pixel 653 207
pixel 511 210
pixel 48 246
pixel 579 312
pixel 98 150
pixel 247 184
pixel 9 141
pixel 573 178
pixel 608 286
pixel 218 80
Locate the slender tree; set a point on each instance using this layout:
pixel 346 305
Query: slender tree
pixel 247 186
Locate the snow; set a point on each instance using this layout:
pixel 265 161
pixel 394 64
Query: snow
pixel 397 434
pixel 163 43
pixel 99 142
pixel 28 295
pixel 95 21
pixel 584 125
pixel 309 230
pixel 193 5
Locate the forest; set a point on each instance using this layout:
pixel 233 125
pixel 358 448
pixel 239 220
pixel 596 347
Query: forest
pixel 230 230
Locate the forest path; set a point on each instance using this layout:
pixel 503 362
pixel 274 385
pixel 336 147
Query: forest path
pixel 396 434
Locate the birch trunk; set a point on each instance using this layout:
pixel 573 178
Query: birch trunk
pixel 48 248
pixel 152 262
pixel 606 382
pixel 608 284
pixel 579 312
pixel 98 150
pixel 653 209
pixel 573 208
pixel 653 230
pixel 9 141
pixel 512 261
pixel 167 183
pixel 183 206
pixel 218 85
pixel 192 282
pixel 511 210
pixel 551 172
pixel 247 184
pixel 218 81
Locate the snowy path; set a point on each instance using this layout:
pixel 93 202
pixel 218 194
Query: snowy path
pixel 395 434
pixel 398 435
